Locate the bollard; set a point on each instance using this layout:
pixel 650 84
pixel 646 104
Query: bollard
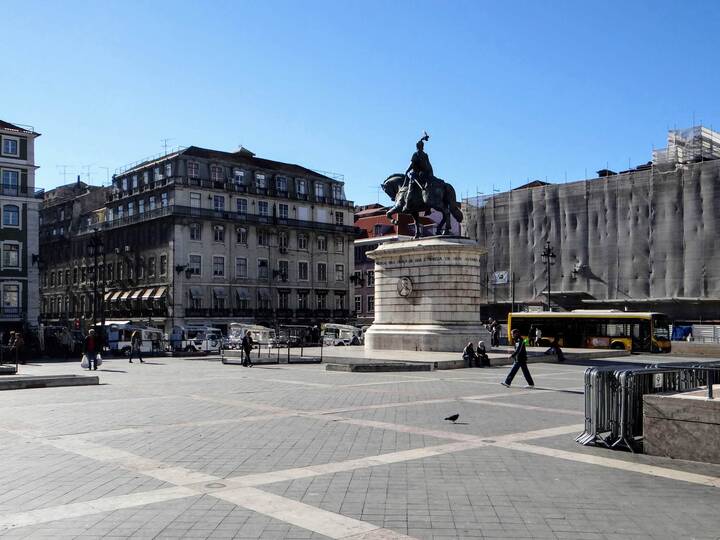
pixel 710 381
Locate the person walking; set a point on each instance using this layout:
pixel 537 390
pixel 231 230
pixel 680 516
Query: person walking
pixel 136 345
pixel 519 357
pixel 247 345
pixel 91 349
pixel 538 337
pixel 556 350
pixel 20 347
pixel 469 355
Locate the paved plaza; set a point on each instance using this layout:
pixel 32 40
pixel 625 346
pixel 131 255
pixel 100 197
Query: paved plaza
pixel 196 449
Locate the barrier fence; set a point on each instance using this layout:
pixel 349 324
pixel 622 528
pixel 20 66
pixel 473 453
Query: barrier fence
pixel 614 398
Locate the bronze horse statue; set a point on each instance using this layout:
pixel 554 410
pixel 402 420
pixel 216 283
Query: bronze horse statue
pixel 411 198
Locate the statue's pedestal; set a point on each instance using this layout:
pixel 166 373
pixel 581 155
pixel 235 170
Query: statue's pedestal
pixel 427 295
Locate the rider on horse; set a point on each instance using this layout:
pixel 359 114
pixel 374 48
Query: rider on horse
pixel 420 171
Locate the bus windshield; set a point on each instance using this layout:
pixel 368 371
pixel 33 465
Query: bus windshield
pixel 661 328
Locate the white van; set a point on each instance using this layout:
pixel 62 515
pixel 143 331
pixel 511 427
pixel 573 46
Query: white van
pixel 119 333
pixel 341 334
pixel 261 335
pixel 195 337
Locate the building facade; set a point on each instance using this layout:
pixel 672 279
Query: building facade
pixel 19 205
pixel 644 239
pixel 212 237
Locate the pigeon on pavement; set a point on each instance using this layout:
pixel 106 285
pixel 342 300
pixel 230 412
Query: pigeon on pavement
pixel 453 418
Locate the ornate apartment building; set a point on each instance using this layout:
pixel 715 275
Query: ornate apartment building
pixel 205 236
pixel 18 228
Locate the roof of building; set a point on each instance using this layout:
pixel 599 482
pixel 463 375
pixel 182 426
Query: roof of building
pixel 243 156
pixel 533 184
pixel 19 129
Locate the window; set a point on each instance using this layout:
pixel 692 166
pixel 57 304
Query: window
pixel 339 301
pixel 321 272
pixel 241 206
pixel 260 181
pixel 195 265
pixel 146 177
pixel 243 302
pixel 283 239
pixel 163 265
pixel 11 215
pixel 11 299
pixel 377 230
pixel 241 268
pixel 371 303
pixel 339 245
pixel 195 301
pixel 134 181
pixel 302 242
pixel 339 218
pixel 321 243
pixel 140 269
pixel 242 235
pixel 303 271
pixel 52 279
pixel 262 268
pixel 284 269
pixel 300 186
pixel 262 237
pixel 319 190
pixel 218 203
pixel 283 211
pixel 131 208
pixel 219 233
pixel 218 301
pixel 371 278
pixel 195 231
pixel 151 267
pixel 125 184
pixel 218 266
pixel 67 277
pixel 339 272
pixel 281 183
pixel 110 215
pixel 263 300
pixel 10 182
pixel 110 272
pixel 193 169
pixel 120 271
pixel 337 192
pixel 195 200
pixel 216 173
pixel 358 304
pixel 151 202
pixel 157 173
pixel 11 146
pixel 321 300
pixel 358 278
pixel 11 255
pixel 168 170
pixel 283 300
pixel 302 300
pixel 263 208
pixel 238 176
pixel 164 199
pixel 141 206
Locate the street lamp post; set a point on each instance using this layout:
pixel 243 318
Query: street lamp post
pixel 548 257
pixel 96 248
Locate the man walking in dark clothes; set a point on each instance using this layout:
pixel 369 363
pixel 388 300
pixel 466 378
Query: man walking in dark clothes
pixel 136 346
pixel 92 348
pixel 519 357
pixel 247 345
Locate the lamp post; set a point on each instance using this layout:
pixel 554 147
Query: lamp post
pixel 548 257
pixel 96 248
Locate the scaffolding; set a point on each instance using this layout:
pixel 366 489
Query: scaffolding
pixel 690 145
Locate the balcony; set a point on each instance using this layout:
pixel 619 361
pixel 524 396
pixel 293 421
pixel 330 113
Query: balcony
pixel 11 313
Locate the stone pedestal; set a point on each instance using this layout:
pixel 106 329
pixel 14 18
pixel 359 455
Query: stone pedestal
pixel 427 295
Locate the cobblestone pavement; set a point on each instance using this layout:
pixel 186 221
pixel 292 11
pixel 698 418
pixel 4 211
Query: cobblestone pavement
pixel 195 449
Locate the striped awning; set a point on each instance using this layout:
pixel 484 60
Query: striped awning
pixel 116 296
pixel 125 295
pixel 108 295
pixel 159 293
pixel 136 294
pixel 147 294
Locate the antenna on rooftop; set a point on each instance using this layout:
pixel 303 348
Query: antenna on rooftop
pixel 107 174
pixel 64 171
pixel 165 144
pixel 87 171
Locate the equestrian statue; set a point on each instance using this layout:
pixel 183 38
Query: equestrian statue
pixel 418 190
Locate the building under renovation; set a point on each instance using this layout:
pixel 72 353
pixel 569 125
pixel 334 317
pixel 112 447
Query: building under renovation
pixel 643 239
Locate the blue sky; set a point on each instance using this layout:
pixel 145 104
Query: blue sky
pixel 508 91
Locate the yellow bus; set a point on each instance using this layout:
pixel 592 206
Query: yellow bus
pixel 596 329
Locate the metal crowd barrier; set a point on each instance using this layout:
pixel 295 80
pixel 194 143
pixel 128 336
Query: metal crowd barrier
pixel 614 398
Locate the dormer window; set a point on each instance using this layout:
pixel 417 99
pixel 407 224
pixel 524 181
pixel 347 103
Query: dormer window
pixel 193 169
pixel 337 191
pixel 300 186
pixel 10 146
pixel 168 170
pixel 216 173
pixel 124 183
pixel 319 190
pixel 238 176
pixel 260 181
pixel 281 183
pixel 146 177
pixel 134 181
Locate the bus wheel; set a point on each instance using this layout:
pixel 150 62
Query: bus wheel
pixel 190 348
